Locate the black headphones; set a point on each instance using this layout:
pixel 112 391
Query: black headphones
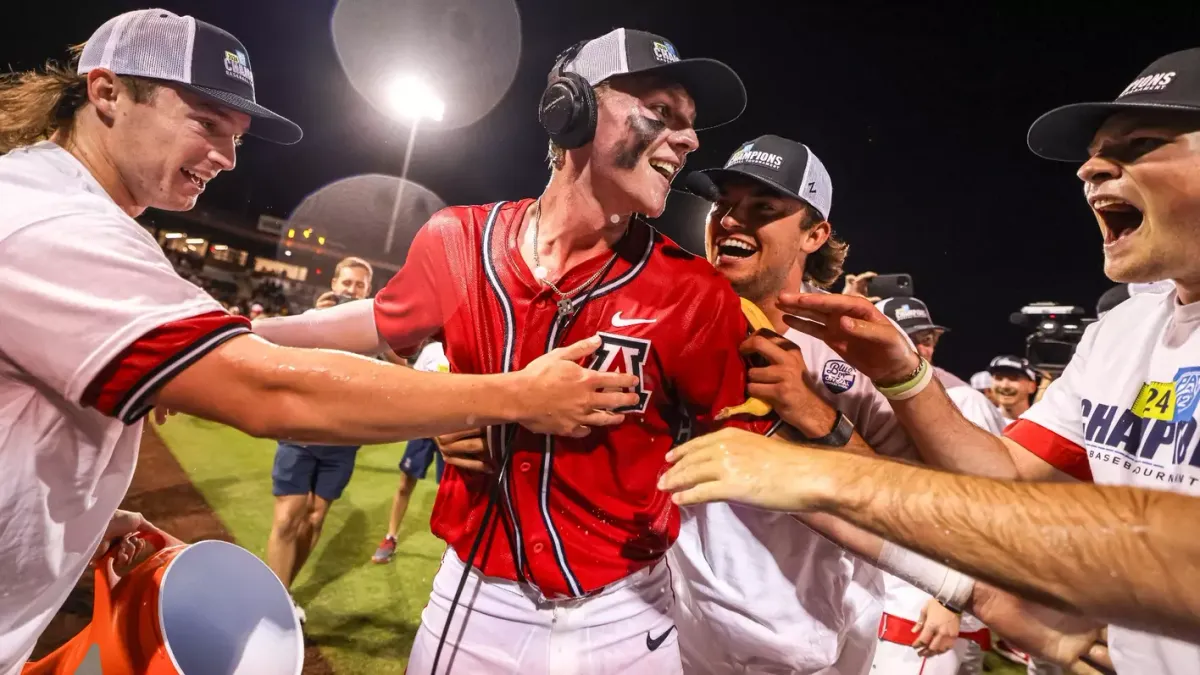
pixel 567 110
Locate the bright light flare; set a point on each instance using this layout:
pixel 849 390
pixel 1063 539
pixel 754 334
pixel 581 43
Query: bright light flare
pixel 411 98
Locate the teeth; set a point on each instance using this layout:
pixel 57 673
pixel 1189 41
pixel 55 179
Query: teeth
pixel 1107 202
pixel 197 180
pixel 666 168
pixel 737 243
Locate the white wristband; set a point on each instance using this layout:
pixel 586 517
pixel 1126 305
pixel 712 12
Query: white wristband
pixel 949 587
pixel 917 388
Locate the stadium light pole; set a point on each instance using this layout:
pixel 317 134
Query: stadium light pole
pixel 412 100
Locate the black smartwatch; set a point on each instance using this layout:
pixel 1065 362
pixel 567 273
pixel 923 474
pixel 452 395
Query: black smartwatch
pixel 839 436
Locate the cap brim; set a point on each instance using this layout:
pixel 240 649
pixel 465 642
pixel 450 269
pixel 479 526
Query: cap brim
pixel 1010 369
pixel 1063 134
pixel 926 326
pixel 716 89
pixel 264 124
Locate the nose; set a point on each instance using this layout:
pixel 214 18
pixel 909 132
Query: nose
pixel 1098 169
pixel 728 220
pixel 684 141
pixel 224 155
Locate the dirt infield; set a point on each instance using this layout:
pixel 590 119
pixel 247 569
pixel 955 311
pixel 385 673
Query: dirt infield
pixel 162 492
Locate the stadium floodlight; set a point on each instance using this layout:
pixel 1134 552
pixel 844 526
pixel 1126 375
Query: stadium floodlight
pixel 412 99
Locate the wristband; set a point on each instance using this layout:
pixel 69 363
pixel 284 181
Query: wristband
pixel 910 387
pixel 949 587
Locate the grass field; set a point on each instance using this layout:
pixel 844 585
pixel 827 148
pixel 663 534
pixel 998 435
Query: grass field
pixel 362 615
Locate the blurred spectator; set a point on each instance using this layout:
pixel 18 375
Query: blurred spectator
pixel 1014 383
pixel 982 383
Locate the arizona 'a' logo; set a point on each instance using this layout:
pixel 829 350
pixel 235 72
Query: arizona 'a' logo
pixel 624 354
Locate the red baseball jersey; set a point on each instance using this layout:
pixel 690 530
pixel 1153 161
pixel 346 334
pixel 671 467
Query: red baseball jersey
pixel 575 514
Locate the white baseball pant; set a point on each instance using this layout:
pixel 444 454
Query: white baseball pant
pixel 502 626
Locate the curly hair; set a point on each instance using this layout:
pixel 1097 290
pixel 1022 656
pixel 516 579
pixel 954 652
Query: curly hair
pixel 823 266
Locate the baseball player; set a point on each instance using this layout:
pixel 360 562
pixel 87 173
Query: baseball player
pixel 917 633
pixel 96 327
pixel 1124 410
pixel 1014 383
pixel 574 578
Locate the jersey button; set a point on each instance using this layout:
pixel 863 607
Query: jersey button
pixel 538 547
pixel 526 466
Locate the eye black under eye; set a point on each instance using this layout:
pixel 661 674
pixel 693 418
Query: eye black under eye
pixel 1134 148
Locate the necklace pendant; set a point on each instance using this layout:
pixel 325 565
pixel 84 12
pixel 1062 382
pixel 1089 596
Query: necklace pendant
pixel 565 307
pixel 540 273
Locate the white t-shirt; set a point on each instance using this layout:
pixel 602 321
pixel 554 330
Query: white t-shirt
pixel 1124 413
pixel 81 283
pixel 771 593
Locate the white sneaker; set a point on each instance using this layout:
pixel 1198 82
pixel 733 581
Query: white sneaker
pixel 300 615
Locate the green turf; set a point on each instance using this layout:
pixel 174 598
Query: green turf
pixel 362 615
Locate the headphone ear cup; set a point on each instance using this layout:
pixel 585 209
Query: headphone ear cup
pixel 568 111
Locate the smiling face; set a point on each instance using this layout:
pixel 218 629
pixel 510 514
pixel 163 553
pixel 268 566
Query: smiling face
pixel 644 134
pixel 1143 185
pixel 166 149
pixel 759 239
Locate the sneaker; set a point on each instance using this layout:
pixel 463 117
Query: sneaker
pixel 387 549
pixel 300 615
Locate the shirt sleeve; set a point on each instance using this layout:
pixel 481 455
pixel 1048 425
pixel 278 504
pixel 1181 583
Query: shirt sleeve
pixel 711 372
pixel 977 408
pixel 94 311
pixel 422 296
pixel 1052 428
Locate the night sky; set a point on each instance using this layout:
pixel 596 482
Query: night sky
pixel 919 113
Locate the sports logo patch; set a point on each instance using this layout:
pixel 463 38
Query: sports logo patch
pixel 1173 401
pixel 624 354
pixel 237 66
pixel 838 376
pixel 665 52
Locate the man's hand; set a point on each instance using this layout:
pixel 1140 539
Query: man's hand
pixel 856 330
pixel 561 398
pixel 938 627
pixel 161 414
pixel 466 450
pixel 1070 641
pixel 856 285
pixel 120 533
pixel 782 382
pixel 739 466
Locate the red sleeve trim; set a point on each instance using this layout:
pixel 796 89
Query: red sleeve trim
pixel 124 387
pixel 1059 452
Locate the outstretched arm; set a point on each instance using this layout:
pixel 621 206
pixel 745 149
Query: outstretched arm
pixel 1045 541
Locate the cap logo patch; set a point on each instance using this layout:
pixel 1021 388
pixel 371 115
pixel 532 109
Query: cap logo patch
pixel 812 187
pixel 748 155
pixel 665 52
pixel 904 313
pixel 1155 82
pixel 237 66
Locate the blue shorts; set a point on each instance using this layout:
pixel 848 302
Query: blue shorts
pixel 418 455
pixel 323 470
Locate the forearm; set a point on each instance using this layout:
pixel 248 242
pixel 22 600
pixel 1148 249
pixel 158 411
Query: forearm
pixel 331 397
pixel 1116 554
pixel 946 439
pixel 349 327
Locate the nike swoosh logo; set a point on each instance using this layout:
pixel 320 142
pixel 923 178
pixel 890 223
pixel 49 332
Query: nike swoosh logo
pixel 618 322
pixel 655 643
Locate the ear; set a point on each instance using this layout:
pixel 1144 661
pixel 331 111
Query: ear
pixel 102 92
pixel 815 237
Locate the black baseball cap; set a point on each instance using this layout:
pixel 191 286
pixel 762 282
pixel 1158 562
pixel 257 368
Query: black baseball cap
pixel 717 90
pixel 784 165
pixel 1170 83
pixel 910 314
pixel 1012 364
pixel 160 45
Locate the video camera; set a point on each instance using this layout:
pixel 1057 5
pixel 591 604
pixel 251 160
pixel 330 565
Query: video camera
pixel 1057 330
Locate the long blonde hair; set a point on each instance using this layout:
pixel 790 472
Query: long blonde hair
pixel 35 104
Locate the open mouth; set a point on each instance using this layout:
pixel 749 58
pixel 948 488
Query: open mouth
pixel 1119 218
pixel 195 179
pixel 736 248
pixel 664 168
